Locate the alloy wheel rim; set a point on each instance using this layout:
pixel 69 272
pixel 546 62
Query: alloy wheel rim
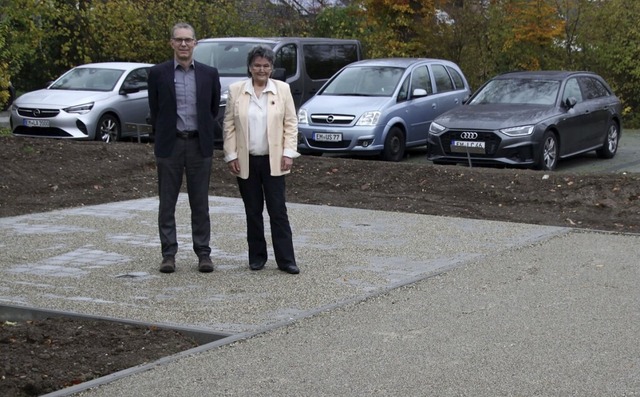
pixel 549 152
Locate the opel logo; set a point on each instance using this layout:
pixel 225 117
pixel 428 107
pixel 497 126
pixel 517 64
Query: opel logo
pixel 468 135
pixel 330 118
pixel 36 112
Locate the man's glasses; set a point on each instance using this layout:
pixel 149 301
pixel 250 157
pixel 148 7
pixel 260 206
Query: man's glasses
pixel 187 41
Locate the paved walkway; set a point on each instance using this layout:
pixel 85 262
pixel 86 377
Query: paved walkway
pixel 387 304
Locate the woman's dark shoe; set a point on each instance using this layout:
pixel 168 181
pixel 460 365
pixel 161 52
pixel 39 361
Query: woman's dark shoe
pixel 291 269
pixel 256 265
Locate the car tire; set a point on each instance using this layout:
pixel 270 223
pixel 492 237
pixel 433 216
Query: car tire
pixel 611 140
pixel 394 145
pixel 547 157
pixel 108 129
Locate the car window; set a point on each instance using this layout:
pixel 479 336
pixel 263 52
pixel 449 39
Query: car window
pixel 593 88
pixel 323 60
pixel 572 89
pixel 521 91
pixel 286 58
pixel 365 81
pixel 88 79
pixel 443 81
pixel 457 78
pixel 137 79
pixel 230 58
pixel 403 94
pixel 420 79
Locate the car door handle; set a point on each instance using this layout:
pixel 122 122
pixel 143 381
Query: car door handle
pixel 434 106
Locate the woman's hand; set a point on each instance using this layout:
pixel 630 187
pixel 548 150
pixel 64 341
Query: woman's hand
pixel 286 163
pixel 234 166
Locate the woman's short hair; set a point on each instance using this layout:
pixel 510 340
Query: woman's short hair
pixel 260 52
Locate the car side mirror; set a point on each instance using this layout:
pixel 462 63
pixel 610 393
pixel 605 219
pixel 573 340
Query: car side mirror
pixel 570 102
pixel 279 74
pixel 128 90
pixel 419 93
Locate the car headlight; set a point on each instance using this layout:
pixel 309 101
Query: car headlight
pixel 518 131
pixel 369 118
pixel 80 109
pixel 302 116
pixel 436 129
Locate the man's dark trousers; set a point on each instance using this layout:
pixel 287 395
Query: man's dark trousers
pixel 186 158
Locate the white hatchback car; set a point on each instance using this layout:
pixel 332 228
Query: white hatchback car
pixel 91 102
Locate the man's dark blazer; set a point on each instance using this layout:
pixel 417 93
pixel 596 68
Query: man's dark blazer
pixel 163 108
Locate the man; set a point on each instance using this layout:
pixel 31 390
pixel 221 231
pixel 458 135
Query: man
pixel 184 96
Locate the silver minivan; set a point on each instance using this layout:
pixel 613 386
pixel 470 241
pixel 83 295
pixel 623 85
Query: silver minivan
pixel 380 106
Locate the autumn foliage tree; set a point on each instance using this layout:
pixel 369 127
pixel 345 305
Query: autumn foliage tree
pixel 397 28
pixel 40 39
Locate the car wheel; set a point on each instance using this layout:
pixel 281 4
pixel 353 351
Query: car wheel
pixel 393 145
pixel 610 145
pixel 548 154
pixel 108 129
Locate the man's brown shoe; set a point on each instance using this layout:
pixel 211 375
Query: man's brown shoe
pixel 205 265
pixel 168 264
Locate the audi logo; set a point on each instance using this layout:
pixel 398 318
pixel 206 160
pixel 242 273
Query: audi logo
pixel 468 135
pixel 330 118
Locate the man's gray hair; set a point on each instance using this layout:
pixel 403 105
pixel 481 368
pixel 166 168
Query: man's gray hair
pixel 182 25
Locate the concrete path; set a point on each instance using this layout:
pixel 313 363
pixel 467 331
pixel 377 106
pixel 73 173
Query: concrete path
pixel 387 304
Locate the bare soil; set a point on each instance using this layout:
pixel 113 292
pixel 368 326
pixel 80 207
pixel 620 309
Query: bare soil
pixel 41 175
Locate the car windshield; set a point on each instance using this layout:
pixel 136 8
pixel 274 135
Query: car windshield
pixel 230 58
pixel 88 79
pixel 518 91
pixel 365 81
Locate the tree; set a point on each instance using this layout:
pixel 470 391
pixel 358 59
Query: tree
pixel 338 22
pixel 20 33
pixel 608 43
pixel 398 27
pixel 533 30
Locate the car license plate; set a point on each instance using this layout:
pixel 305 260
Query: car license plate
pixel 327 137
pixel 36 123
pixel 467 146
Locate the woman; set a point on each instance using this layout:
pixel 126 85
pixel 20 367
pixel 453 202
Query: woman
pixel 260 143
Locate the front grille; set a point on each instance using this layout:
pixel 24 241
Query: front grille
pixel 38 113
pixel 332 119
pixel 44 132
pixel 490 139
